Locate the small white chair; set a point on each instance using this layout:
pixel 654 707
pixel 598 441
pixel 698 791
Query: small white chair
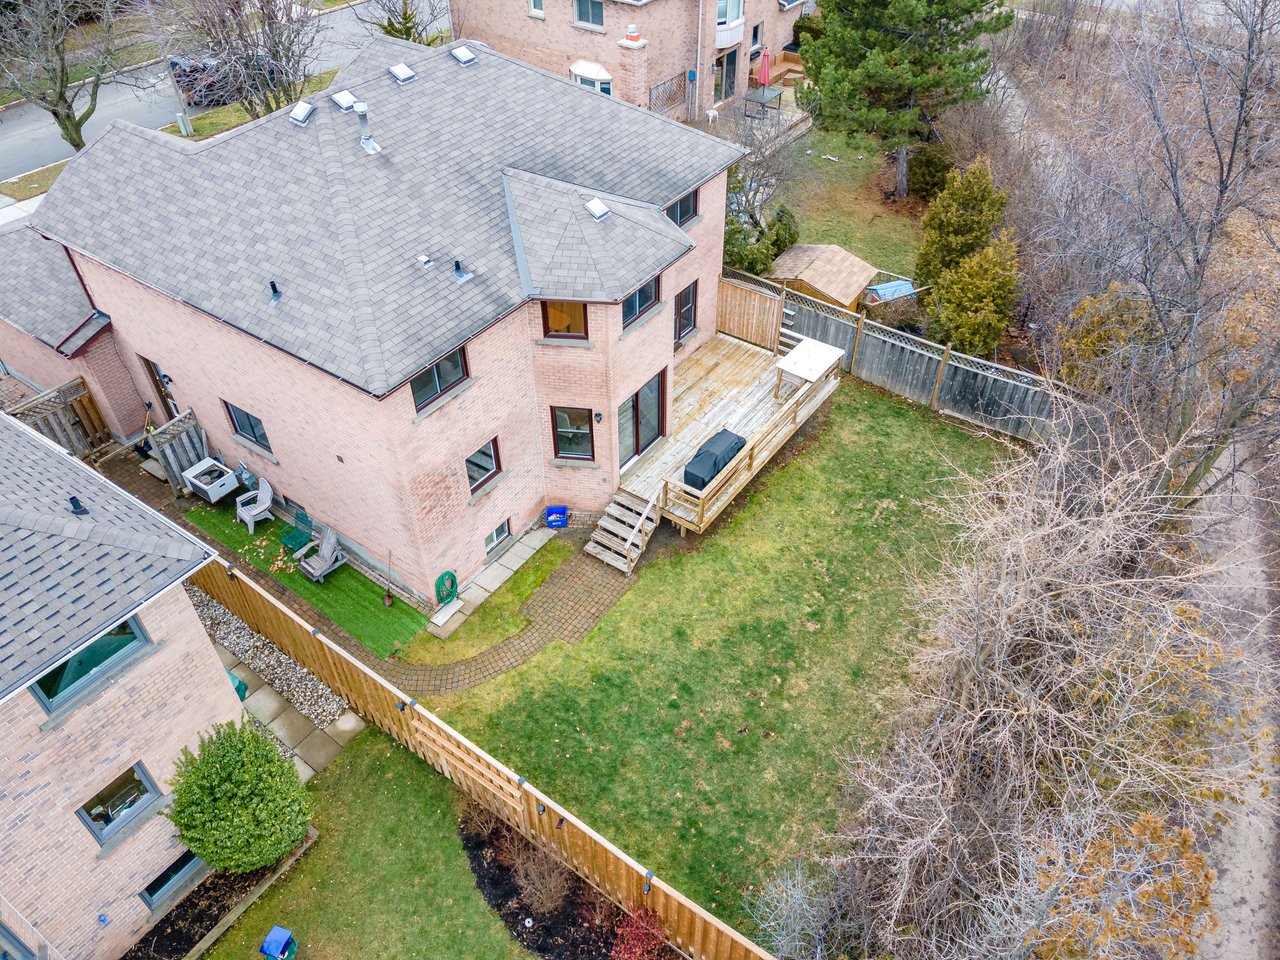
pixel 255 505
pixel 321 557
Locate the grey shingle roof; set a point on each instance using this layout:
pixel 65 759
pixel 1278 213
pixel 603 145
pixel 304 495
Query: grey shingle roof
pixel 340 231
pixel 66 579
pixel 39 291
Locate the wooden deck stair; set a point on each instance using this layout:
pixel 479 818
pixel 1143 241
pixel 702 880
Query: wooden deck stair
pixel 624 530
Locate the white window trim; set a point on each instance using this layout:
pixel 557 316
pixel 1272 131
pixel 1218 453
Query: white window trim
pixel 591 75
pixel 540 14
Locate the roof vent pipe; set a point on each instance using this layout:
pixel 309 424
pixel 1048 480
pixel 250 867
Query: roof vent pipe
pixel 460 275
pixel 275 293
pixel 78 508
pixel 366 137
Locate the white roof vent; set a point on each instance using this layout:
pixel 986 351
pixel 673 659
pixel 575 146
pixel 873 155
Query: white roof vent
pixel 402 73
pixel 345 100
pixel 596 207
pixel 463 55
pixel 301 113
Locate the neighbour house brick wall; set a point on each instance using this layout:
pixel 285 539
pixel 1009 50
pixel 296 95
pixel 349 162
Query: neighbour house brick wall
pixel 52 868
pixel 98 363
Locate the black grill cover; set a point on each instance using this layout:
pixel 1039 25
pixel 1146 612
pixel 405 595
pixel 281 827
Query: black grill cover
pixel 713 457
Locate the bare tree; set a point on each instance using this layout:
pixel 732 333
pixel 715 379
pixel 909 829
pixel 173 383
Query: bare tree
pixel 57 53
pixel 264 50
pixel 419 21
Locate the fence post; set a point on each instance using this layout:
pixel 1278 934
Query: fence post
pixel 782 306
pixel 857 339
pixel 942 369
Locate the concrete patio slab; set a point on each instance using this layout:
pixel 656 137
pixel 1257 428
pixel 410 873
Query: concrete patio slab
pixel 443 614
pixel 472 595
pixel 291 727
pixel 318 749
pixel 539 537
pixel 515 557
pixel 265 704
pixel 251 679
pixel 344 729
pixel 305 770
pixel 493 576
pixel 228 658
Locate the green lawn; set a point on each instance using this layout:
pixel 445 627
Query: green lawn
pixel 839 203
pixel 32 184
pixel 497 618
pixel 697 725
pixel 388 877
pixel 347 597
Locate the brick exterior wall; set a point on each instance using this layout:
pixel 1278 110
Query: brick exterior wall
pixel 52 868
pixel 97 362
pixel 394 481
pixel 553 41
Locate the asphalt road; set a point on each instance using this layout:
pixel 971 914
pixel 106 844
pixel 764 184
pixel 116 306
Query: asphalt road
pixel 29 138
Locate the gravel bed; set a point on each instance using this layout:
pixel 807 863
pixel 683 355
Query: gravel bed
pixel 285 751
pixel 291 680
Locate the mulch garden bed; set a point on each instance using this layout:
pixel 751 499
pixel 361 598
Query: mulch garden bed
pixel 195 915
pixel 581 929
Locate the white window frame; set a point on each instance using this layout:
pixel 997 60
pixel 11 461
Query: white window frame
pixel 592 76
pixel 536 9
pixel 590 5
pixel 732 12
pixel 501 534
pixel 757 39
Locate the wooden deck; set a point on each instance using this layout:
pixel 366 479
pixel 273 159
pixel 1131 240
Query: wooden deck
pixel 726 384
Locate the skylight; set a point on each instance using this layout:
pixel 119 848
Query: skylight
pixel 463 55
pixel 301 113
pixel 345 100
pixel 596 207
pixel 402 73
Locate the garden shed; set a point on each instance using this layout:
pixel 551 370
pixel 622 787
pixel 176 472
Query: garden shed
pixel 824 271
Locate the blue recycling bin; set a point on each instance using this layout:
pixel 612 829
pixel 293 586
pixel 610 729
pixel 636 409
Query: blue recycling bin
pixel 279 944
pixel 557 517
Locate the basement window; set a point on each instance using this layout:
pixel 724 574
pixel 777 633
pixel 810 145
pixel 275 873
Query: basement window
pixel 169 879
pixel 118 802
pixel 499 535
pixel 69 677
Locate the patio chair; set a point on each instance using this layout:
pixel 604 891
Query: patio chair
pixel 326 558
pixel 255 505
pixel 300 534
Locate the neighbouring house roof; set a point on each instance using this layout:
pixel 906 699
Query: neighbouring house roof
pixel 40 293
pixel 833 270
pixel 67 579
pixel 341 231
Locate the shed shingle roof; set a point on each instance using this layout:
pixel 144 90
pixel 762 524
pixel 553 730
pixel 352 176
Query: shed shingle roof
pixel 826 267
pixel 340 231
pixel 65 579
pixel 39 291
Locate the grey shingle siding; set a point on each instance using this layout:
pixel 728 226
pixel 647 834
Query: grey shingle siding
pixel 340 231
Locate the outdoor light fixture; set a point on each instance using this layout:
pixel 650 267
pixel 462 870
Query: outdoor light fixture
pixel 648 875
pixel 102 920
pixel 78 508
pixel 560 824
pixel 231 571
pixel 599 416
pixel 541 809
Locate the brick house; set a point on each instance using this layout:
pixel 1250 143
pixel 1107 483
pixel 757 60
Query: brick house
pixel 106 673
pixel 50 333
pixel 426 335
pixel 681 57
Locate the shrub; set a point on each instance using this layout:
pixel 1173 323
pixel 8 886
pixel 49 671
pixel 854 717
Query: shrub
pixel 807 25
pixel 542 880
pixel 744 249
pixel 961 220
pixel 237 803
pixel 639 936
pixel 927 170
pixel 971 304
pixel 1103 330
pixel 784 230
pixel 474 819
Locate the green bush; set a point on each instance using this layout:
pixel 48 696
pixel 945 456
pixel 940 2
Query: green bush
pixel 961 220
pixel 237 803
pixel 784 231
pixel 971 304
pixel 927 170
pixel 807 25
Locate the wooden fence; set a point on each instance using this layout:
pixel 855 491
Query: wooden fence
pixel 68 415
pixel 690 928
pixel 749 313
pixel 178 446
pixel 988 394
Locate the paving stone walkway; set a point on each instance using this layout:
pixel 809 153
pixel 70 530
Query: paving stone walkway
pixel 570 602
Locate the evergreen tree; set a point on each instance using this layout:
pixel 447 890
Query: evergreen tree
pixel 961 220
pixel 403 23
pixel 883 66
pixel 971 304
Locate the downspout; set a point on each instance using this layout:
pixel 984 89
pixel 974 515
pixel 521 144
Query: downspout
pixel 697 70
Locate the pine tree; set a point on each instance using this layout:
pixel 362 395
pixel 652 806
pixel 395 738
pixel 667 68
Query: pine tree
pixel 403 23
pixel 961 220
pixel 971 304
pixel 883 66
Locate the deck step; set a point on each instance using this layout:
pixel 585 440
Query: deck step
pixel 628 516
pixel 608 556
pixel 629 500
pixel 619 529
pixel 614 542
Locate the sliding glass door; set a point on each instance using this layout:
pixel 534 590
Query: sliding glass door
pixel 640 419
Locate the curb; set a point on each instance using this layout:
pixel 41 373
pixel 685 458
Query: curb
pixel 133 67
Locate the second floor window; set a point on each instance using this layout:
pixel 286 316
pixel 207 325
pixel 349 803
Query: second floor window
pixel 62 682
pixel 687 310
pixel 728 11
pixel 684 209
pixel 640 301
pixel 483 465
pixel 442 376
pixel 248 426
pixel 563 319
pixel 592 11
pixel 535 8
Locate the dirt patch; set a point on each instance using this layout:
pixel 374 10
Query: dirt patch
pixel 195 915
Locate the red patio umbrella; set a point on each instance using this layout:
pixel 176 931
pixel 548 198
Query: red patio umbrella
pixel 764 67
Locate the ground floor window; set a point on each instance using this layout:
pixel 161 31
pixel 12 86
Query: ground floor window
pixel 726 75
pixel 11 948
pixel 63 681
pixel 640 419
pixel 501 533
pixel 170 878
pixel 119 802
pixel 592 76
pixel 573 435
pixel 483 465
pixel 248 426
pixel 687 311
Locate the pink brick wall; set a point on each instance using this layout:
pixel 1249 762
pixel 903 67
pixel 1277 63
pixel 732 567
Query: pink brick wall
pixel 552 41
pixel 98 363
pixel 50 865
pixel 388 478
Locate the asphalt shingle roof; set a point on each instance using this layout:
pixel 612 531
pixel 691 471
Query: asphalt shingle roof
pixel 341 231
pixel 66 579
pixel 39 291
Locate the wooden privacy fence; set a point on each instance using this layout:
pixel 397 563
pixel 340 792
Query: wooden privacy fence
pixel 178 446
pixel 689 927
pixel 988 394
pixel 68 415
pixel 749 313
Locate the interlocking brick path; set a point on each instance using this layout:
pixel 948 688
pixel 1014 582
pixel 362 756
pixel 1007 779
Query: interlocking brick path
pixel 569 603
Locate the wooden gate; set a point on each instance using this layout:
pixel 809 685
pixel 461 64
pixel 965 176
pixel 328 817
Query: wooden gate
pixel 749 313
pixel 68 415
pixel 178 446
